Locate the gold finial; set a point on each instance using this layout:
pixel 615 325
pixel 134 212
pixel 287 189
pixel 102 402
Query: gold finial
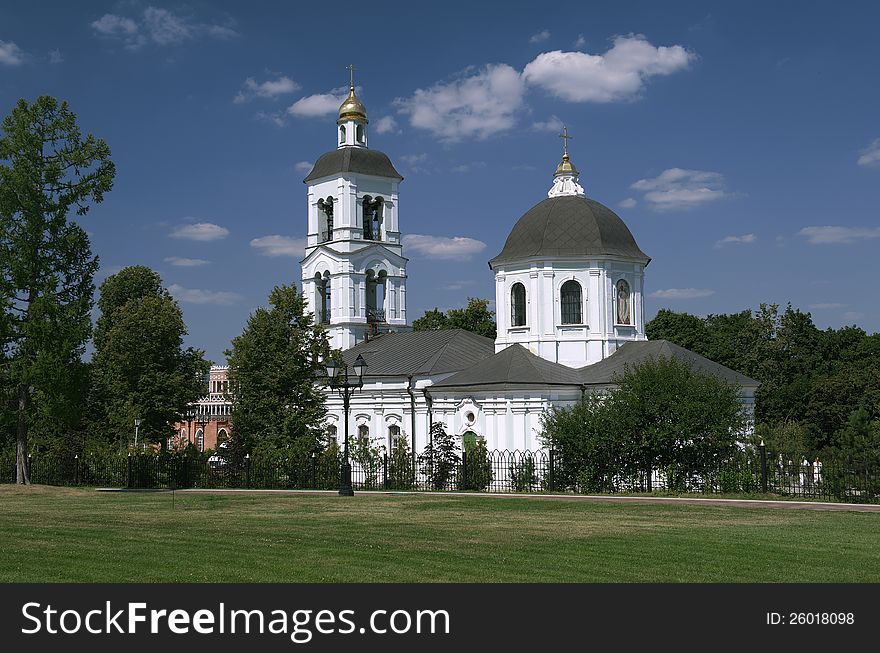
pixel 352 108
pixel 566 167
pixel 565 138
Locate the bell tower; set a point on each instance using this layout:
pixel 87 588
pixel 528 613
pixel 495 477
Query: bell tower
pixel 354 271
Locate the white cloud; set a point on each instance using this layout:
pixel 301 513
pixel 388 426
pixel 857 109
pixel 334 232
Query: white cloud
pixel 457 248
pixel 619 74
pixel 413 159
pixel 160 26
pixel 386 125
pixel 825 306
pixel 580 42
pixel 871 154
pixel 186 262
pixel 303 166
pixel 552 124
pixel 204 231
pixel 745 239
pixel 275 117
pixel 540 37
pixel 829 235
pixel 198 296
pixel 271 88
pixel 316 106
pixel 682 293
pixel 676 188
pixel 276 245
pixel 853 316
pixel 628 203
pixel 10 54
pixel 458 285
pixel 469 167
pixel 476 105
pixel 55 56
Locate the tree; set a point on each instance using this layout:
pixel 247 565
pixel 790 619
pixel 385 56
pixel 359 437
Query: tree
pixel 273 366
pixel 475 317
pixel 140 368
pixel 440 458
pixel 661 414
pixel 46 264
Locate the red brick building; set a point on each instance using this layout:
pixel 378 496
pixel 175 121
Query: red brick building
pixel 209 421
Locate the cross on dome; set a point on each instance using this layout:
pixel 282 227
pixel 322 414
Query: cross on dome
pixel 565 179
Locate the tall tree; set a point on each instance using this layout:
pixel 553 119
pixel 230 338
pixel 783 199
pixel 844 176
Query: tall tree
pixel 46 264
pixel 273 366
pixel 475 317
pixel 140 368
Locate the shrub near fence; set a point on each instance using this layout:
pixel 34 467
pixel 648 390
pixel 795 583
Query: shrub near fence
pixel 476 470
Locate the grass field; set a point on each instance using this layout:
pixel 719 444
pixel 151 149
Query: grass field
pixel 77 535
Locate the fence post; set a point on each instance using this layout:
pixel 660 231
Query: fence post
pixel 314 471
pixel 128 472
pixel 649 486
pixel 385 470
pixel 247 470
pixel 763 449
pixel 76 469
pixel 552 478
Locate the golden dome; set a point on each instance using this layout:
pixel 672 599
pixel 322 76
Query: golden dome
pixel 352 109
pixel 566 167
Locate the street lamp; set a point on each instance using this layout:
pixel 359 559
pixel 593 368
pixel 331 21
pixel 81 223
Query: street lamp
pixel 137 425
pixel 346 389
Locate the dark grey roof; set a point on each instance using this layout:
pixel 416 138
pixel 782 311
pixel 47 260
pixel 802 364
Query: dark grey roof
pixel 517 366
pixel 514 365
pixel 421 352
pixel 633 353
pixel 353 159
pixel 569 226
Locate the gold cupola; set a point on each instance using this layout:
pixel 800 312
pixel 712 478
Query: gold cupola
pixel 566 167
pixel 352 109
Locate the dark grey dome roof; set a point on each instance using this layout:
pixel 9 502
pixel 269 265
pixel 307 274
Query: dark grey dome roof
pixel 353 159
pixel 569 226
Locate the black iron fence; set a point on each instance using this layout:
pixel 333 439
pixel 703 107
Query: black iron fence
pixel 753 472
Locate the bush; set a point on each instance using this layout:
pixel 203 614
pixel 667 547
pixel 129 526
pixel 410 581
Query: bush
pixel 369 458
pixel 477 472
pixel 401 475
pixel 440 458
pixel 523 477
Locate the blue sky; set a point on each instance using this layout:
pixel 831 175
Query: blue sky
pixel 739 141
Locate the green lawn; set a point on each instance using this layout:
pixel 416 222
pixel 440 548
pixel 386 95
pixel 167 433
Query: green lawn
pixel 74 535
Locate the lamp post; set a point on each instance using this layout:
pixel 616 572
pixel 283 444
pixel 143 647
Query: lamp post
pixel 346 388
pixel 137 425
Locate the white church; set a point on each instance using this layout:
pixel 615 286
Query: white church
pixel 569 298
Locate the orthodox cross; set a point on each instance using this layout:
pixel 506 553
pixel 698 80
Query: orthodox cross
pixel 351 73
pixel 565 138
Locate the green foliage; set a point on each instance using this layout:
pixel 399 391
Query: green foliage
pixel 273 366
pixel 476 317
pixel 440 458
pixel 47 170
pixel 661 415
pixel 401 474
pixel 140 368
pixel 476 474
pixel 523 476
pixel 369 457
pixel 809 377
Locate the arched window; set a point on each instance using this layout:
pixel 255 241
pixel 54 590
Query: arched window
pixel 360 134
pixel 517 305
pixel 325 225
pixel 222 436
pixel 393 435
pixel 570 300
pixel 364 433
pixel 342 133
pixel 623 295
pixel 331 432
pixel 323 299
pixel 200 440
pixel 372 218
